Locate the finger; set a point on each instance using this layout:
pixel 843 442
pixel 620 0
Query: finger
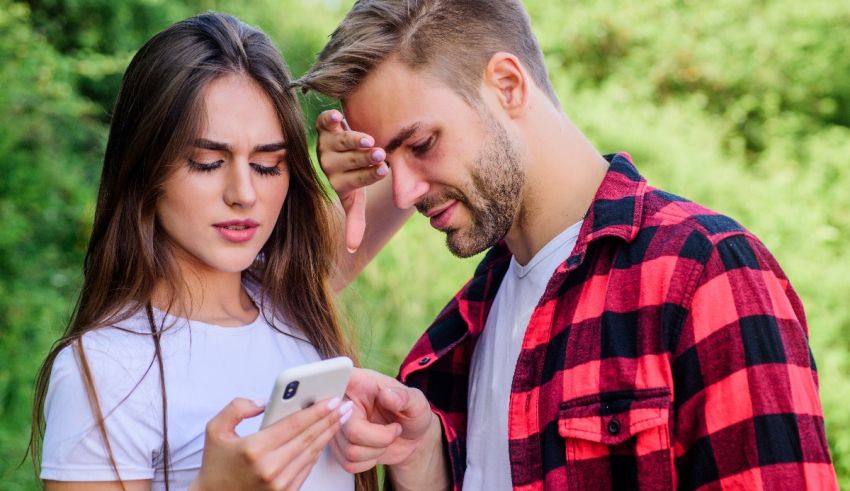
pixel 303 452
pixel 300 478
pixel 355 220
pixel 411 408
pixel 336 162
pixel 360 431
pixel 330 120
pixel 394 399
pixel 357 454
pixel 299 423
pixel 224 423
pixel 338 445
pixel 346 141
pixel 349 179
pixel 402 400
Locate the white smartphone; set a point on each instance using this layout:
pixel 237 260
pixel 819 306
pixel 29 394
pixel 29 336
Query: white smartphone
pixel 300 387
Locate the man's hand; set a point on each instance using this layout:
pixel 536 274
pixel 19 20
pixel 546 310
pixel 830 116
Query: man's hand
pixel 351 162
pixel 391 424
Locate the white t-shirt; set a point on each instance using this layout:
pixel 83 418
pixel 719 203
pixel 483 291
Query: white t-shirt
pixel 494 361
pixel 206 366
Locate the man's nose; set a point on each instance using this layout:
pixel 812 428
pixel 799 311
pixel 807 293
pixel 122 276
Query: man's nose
pixel 239 189
pixel 408 185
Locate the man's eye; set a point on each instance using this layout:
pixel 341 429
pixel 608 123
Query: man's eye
pixel 267 170
pixel 204 166
pixel 423 147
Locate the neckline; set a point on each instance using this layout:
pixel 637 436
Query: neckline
pixel 162 315
pixel 554 245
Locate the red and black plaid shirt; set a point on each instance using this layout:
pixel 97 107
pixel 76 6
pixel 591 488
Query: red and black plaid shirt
pixel 668 351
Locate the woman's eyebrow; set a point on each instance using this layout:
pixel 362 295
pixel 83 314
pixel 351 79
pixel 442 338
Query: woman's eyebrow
pixel 219 146
pixel 211 145
pixel 270 147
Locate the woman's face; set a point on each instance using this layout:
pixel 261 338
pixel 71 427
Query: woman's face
pixel 220 205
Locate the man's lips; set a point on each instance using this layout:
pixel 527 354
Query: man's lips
pixel 440 217
pixel 237 230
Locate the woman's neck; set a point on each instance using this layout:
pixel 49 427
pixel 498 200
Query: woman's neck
pixel 213 297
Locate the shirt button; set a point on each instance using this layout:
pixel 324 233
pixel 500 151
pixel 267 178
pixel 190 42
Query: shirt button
pixel 424 361
pixel 613 427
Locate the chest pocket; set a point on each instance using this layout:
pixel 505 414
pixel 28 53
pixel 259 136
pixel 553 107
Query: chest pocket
pixel 618 440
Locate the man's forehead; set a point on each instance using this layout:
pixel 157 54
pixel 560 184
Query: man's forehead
pixel 395 99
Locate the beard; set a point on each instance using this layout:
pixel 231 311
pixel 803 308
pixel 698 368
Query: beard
pixel 492 194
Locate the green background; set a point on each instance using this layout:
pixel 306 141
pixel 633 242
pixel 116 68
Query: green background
pixel 743 106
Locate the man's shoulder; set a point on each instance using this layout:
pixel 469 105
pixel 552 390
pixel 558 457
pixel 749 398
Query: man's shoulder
pixel 677 220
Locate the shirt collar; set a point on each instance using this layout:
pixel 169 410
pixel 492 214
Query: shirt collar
pixel 616 211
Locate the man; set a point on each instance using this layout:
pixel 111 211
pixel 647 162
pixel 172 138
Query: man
pixel 614 336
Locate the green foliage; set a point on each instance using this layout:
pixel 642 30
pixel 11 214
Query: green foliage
pixel 742 106
pixel 49 146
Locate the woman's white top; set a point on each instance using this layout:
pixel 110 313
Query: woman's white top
pixel 206 366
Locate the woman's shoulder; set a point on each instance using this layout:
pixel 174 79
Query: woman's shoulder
pixel 117 347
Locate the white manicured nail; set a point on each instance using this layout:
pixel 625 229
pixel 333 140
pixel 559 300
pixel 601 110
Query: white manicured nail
pixel 334 403
pixel 345 416
pixel 346 408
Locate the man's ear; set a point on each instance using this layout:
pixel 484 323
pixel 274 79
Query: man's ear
pixel 508 80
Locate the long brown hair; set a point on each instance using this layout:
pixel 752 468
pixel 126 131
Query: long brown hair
pixel 156 117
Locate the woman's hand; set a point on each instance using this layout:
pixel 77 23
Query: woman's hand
pixel 351 162
pixel 278 457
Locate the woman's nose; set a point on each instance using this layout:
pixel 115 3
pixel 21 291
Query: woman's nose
pixel 239 190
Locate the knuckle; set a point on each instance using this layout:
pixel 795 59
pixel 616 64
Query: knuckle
pixel 350 454
pixel 353 160
pixel 364 179
pixel 351 467
pixel 266 475
pixel 251 454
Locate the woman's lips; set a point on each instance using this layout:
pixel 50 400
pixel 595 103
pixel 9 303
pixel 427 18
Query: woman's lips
pixel 237 230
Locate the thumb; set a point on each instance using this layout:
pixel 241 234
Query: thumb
pixel 395 399
pixel 412 409
pixel 224 423
pixel 355 219
pixel 330 120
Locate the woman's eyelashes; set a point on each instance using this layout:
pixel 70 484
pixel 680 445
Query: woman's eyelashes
pixel 263 170
pixel 267 170
pixel 194 165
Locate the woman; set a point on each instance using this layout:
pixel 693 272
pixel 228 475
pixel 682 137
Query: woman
pixel 207 274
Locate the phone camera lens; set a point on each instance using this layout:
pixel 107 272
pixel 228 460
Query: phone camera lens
pixel 290 390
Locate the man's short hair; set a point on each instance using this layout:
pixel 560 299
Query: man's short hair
pixel 453 39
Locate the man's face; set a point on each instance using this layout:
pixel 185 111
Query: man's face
pixel 455 163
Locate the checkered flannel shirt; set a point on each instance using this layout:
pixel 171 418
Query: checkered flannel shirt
pixel 668 351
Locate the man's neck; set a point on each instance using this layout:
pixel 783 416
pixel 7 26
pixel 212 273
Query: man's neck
pixel 564 171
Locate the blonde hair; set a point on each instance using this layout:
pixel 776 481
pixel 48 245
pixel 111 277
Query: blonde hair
pixel 453 39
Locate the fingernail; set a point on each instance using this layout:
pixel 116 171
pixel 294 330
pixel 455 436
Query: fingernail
pixel 334 403
pixel 336 117
pixel 365 142
pixel 345 417
pixel 259 403
pixel 351 250
pixel 346 407
pixel 378 155
pixel 381 170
